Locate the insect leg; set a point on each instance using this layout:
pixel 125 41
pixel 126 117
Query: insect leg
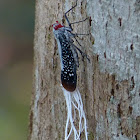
pixel 80 21
pixel 76 35
pixel 67 17
pixel 82 53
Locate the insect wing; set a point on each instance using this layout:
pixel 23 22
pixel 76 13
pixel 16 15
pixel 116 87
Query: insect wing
pixel 75 54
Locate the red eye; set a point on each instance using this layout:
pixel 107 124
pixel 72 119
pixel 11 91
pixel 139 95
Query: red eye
pixel 56 27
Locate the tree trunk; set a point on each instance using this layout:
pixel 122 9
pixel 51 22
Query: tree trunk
pixel 109 84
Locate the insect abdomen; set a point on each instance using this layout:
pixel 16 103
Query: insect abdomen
pixel 69 82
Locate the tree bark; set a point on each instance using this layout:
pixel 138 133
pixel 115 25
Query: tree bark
pixel 109 84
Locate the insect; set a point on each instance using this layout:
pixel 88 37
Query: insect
pixel 68 52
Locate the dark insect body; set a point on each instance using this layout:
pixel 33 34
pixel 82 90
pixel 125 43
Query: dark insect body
pixel 67 52
pixel 68 56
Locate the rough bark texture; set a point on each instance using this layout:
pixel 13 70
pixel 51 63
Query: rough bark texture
pixel 109 84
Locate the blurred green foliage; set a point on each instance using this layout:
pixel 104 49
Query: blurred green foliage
pixel 16 53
